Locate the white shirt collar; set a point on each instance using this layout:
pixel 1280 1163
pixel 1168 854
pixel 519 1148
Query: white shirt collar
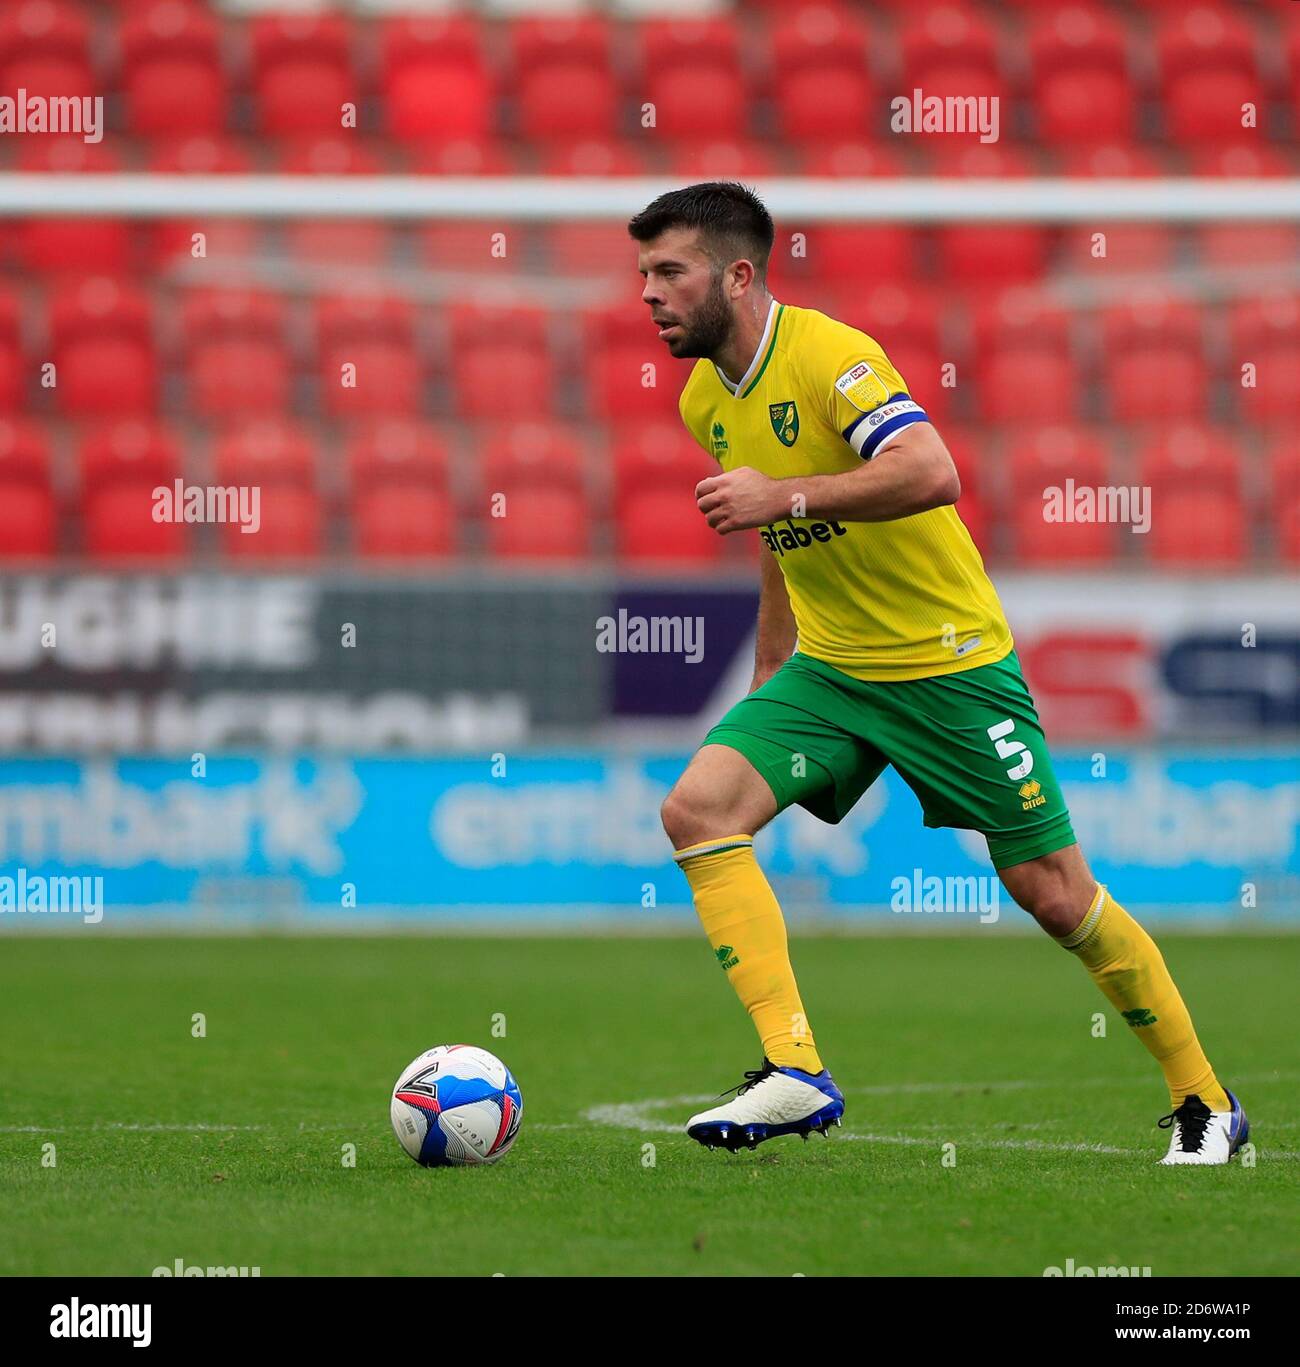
pixel 759 352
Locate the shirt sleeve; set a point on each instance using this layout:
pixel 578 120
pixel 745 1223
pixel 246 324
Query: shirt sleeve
pixel 869 402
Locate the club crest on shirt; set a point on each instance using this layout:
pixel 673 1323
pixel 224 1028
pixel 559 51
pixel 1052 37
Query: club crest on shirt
pixel 785 421
pixel 862 387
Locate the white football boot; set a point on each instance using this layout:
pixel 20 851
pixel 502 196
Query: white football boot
pixel 1202 1135
pixel 771 1101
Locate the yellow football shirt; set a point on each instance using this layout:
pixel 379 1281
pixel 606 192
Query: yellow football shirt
pixel 904 599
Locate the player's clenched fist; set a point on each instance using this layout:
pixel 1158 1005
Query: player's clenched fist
pixel 739 499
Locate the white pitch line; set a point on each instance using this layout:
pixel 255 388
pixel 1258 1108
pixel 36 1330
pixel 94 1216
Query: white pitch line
pixel 631 1115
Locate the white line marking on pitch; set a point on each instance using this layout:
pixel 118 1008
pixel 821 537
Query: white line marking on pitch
pixel 631 1115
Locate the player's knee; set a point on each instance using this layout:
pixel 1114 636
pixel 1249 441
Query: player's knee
pixel 1053 905
pixel 689 816
pixel 681 815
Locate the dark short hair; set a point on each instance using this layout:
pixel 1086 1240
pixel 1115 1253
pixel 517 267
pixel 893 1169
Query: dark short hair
pixel 732 220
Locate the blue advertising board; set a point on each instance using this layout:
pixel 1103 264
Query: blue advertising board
pixel 561 839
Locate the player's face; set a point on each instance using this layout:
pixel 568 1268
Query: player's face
pixel 684 291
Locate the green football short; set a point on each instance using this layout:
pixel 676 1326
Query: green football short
pixel 969 745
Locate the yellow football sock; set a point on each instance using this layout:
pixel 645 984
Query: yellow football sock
pixel 743 921
pixel 1125 963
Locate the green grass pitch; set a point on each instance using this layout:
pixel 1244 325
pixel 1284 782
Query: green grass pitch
pixel 228 1150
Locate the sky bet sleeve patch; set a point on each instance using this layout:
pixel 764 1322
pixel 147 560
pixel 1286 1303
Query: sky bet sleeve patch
pixel 862 387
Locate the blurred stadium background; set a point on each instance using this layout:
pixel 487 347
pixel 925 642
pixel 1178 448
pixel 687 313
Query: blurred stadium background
pixel 387 706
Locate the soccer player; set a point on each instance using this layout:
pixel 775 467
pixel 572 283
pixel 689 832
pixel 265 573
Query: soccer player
pixel 880 641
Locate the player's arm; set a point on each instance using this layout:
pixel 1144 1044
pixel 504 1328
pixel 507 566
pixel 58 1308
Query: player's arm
pixel 777 634
pixel 911 473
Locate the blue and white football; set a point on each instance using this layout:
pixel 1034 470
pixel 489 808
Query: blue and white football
pixel 456 1105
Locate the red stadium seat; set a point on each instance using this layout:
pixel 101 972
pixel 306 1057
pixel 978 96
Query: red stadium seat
pixel 232 376
pixel 559 40
pixel 1205 37
pixel 567 101
pixel 265 452
pixel 1265 334
pixel 1283 501
pixel 28 521
pixel 1240 160
pixel 989 255
pixel 237 360
pixel 73 246
pixel 435 83
pixel 28 516
pixel 325 240
pixel 302 73
pixel 375 336
pixel 1048 456
pixel 697 102
pixel 1153 362
pixel 859 160
pixel 24 452
pixel 951 50
pixel 1190 455
pixel 813 104
pixel 397 521
pixel 1225 245
pixel 1086 107
pixel 224 239
pixel 658 455
pixel 1076 37
pixel 103 351
pixel 290 527
pixel 407 453
pixel 820 37
pixel 592 248
pixel 128 452
pixel 540 523
pixel 525 453
pixel 118 524
pixel 709 43
pixel 1195 530
pixel 1206 106
pixel 1070 544
pixel 121 467
pixel 45 50
pixel 171 70
pixel 508 378
pixel 1198 516
pixel 720 160
pixel 465 157
pixel 13 368
pixel 663 527
pixel 472 325
pixel 371 377
pixel 341 319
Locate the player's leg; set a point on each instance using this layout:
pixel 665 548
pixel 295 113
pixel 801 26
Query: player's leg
pixel 971 746
pixel 711 817
pixel 772 749
pixel 1058 890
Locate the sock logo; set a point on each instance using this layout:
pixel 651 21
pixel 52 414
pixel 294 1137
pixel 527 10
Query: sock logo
pixel 727 956
pixel 1139 1015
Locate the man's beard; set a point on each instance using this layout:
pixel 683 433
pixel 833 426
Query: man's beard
pixel 710 327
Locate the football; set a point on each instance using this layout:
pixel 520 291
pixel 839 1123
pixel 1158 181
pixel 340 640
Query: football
pixel 456 1106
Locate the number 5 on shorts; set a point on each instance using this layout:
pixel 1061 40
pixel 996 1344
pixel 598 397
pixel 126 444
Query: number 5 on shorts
pixel 1007 748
